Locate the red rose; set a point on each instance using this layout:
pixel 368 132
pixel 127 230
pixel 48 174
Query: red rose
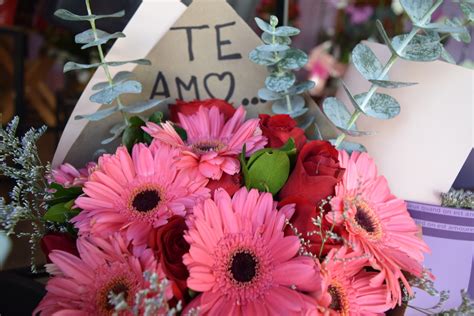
pixel 279 128
pixel 169 245
pixel 316 173
pixel 188 108
pixel 230 183
pixel 302 220
pixel 58 241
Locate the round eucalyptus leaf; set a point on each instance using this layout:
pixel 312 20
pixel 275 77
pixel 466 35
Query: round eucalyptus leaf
pixel 420 48
pixel 297 106
pixel 140 61
pixel 88 36
pixel 286 31
pixel 336 111
pixel 99 115
pixel 110 93
pixel 272 48
pixel 116 132
pixel 293 59
pixel 119 77
pixel 468 10
pixel 444 28
pixel 268 95
pixel 416 9
pixel 302 87
pixel 381 106
pixel 366 62
pixel 264 26
pixel 262 58
pixel 464 35
pixel 280 82
pixel 75 66
pixel 268 38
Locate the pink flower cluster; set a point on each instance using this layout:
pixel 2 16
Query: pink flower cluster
pixel 177 208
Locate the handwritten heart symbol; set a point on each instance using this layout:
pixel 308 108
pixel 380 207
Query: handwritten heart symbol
pixel 220 77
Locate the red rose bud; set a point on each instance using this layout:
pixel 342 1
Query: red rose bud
pixel 316 173
pixel 169 245
pixel 302 220
pixel 58 241
pixel 279 128
pixel 188 108
pixel 230 183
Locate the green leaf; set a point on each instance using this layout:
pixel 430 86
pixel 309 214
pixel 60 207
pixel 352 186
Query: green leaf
pixel 392 84
pixel 119 77
pixel 263 58
pixel 75 66
pixel 140 107
pixel 63 195
pixel 131 136
pixel 268 95
pixel 301 87
pixel 110 93
pixel 243 166
pixel 268 38
pixel 135 121
pixel 270 48
pixel 264 26
pixel 270 171
pixel 61 212
pixel 416 9
pixel 103 39
pixel 420 48
pixel 293 59
pixel 286 31
pixel 279 82
pixel 381 106
pixel 69 16
pixel 366 62
pixel 349 147
pixel 140 61
pixel 156 117
pixel 181 132
pixel 99 115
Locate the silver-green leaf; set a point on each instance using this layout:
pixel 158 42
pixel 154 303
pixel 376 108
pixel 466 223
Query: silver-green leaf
pixel 69 16
pixel 392 84
pixel 262 58
pixel 75 66
pixel 297 106
pixel 420 48
pixel 110 93
pixel 293 59
pixel 268 95
pixel 302 87
pixel 116 132
pixel 286 31
pixel 349 147
pixel 141 107
pixel 264 26
pixel 270 48
pixel 279 82
pixel 366 62
pixel 103 39
pixel 88 36
pixel 99 115
pixel 384 35
pixel 338 114
pixel 268 38
pixel 119 77
pixel 381 106
pixel 416 9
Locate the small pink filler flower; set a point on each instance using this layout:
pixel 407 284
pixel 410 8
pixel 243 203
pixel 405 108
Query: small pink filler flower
pixel 212 144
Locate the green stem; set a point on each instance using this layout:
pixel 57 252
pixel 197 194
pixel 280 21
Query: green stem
pixel 102 60
pixel 373 88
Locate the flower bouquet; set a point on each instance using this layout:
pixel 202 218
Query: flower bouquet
pixel 201 210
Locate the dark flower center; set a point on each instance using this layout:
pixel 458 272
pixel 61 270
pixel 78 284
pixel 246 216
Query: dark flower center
pixel 116 287
pixel 243 267
pixel 146 200
pixel 207 146
pixel 364 220
pixel 336 301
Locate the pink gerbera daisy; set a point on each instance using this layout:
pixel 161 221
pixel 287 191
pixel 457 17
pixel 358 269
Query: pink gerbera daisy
pixel 346 288
pixel 81 285
pixel 377 223
pixel 136 193
pixel 68 176
pixel 212 144
pixel 242 262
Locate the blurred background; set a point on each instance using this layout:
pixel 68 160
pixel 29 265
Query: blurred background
pixel 34 46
